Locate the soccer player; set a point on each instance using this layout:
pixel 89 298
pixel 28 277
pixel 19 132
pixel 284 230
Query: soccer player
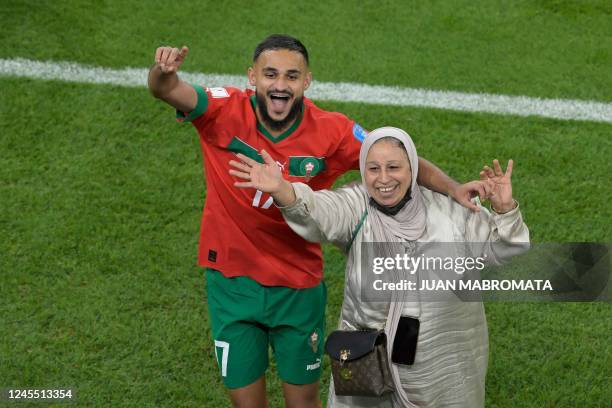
pixel 264 282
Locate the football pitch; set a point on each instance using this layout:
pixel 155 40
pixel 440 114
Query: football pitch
pixel 101 191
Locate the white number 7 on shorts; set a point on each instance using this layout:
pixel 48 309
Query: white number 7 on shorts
pixel 224 345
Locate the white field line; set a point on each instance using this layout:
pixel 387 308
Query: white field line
pixel 566 109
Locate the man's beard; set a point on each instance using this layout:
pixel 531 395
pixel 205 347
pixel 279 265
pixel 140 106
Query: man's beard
pixel 277 125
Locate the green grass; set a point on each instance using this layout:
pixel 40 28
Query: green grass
pixel 101 192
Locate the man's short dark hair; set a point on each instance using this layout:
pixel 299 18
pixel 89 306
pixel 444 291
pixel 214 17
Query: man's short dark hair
pixel 281 42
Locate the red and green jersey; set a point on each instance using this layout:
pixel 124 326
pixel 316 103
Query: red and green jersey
pixel 242 232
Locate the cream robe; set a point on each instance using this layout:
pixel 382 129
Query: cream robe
pixel 452 349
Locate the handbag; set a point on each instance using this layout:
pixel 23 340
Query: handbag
pixel 359 362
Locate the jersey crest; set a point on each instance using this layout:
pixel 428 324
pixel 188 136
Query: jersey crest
pixel 306 166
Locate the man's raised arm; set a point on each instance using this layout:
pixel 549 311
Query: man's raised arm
pixel 165 84
pixel 433 178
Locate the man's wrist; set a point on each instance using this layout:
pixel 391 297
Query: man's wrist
pixel 452 187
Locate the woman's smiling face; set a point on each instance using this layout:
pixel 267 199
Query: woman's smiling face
pixel 388 174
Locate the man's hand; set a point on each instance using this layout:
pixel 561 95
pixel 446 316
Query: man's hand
pixel 165 84
pixel 170 59
pixel 501 186
pixel 464 193
pixel 434 179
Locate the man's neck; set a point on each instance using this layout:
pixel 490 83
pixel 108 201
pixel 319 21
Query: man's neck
pixel 273 133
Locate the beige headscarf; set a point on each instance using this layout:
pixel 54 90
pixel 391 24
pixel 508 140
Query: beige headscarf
pixel 409 223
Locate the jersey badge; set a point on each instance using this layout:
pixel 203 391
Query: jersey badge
pixel 306 166
pixel 218 92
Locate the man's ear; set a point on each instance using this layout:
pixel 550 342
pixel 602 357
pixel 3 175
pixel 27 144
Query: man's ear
pixel 308 80
pixel 251 75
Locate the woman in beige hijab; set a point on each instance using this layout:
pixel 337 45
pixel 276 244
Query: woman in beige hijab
pixel 450 363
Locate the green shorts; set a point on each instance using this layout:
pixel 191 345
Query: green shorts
pixel 246 317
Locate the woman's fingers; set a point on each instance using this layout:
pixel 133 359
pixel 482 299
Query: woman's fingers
pixel 488 171
pixel 240 174
pixel 509 168
pixel 240 166
pixel 267 158
pixel 246 159
pixel 498 169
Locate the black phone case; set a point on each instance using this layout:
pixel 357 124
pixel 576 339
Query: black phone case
pixel 406 337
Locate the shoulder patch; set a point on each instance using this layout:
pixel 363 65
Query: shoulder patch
pixel 218 92
pixel 359 132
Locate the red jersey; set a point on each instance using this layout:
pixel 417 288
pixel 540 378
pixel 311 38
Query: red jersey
pixel 242 232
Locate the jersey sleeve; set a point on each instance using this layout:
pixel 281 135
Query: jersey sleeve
pixel 346 156
pixel 210 102
pixel 200 108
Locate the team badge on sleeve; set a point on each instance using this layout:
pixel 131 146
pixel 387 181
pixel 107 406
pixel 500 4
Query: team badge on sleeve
pixel 218 92
pixel 359 132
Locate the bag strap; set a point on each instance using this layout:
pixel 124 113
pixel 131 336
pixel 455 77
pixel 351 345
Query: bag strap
pixel 356 231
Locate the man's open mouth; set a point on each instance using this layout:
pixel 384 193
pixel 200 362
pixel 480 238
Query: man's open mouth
pixel 279 101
